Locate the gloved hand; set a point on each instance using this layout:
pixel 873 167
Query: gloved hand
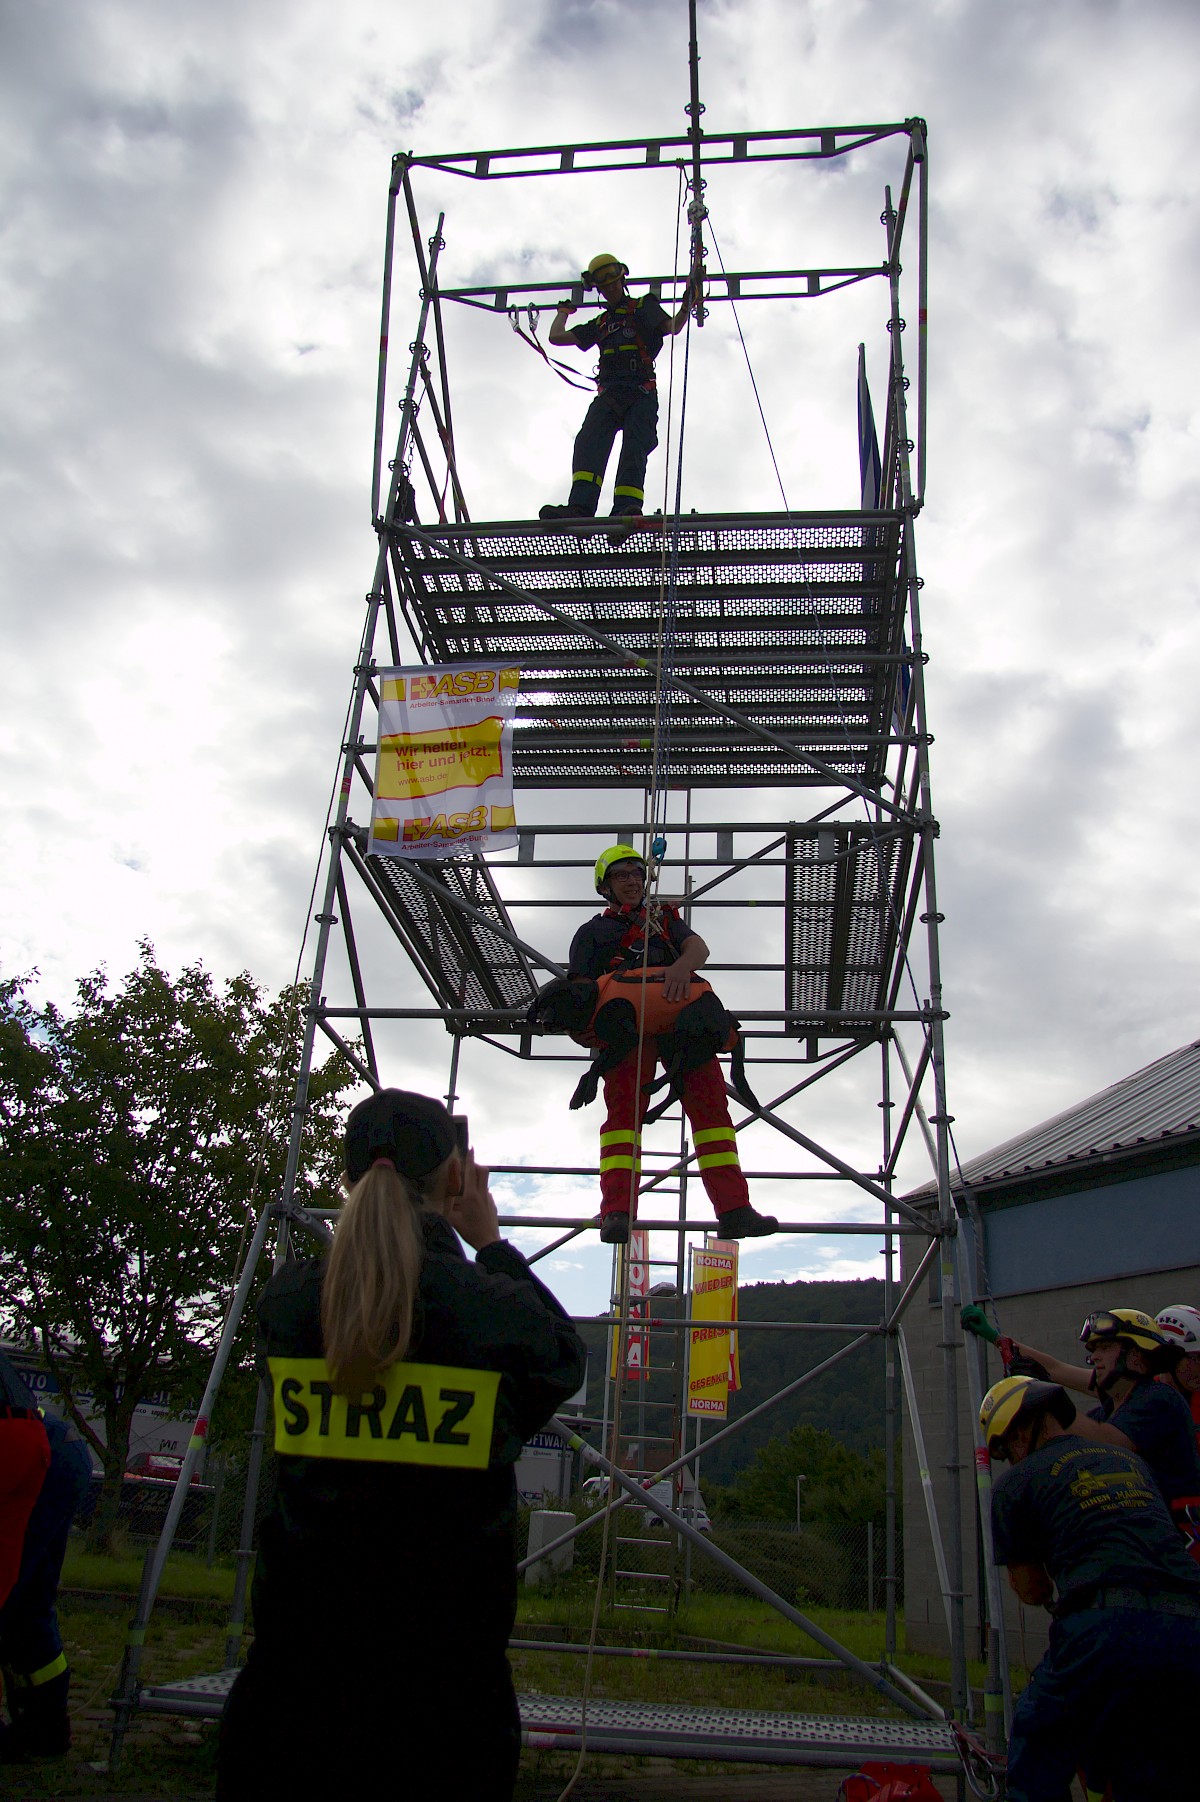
pixel 975 1321
pixel 1021 1366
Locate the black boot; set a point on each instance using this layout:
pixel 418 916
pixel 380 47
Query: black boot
pixel 555 510
pixel 746 1223
pixel 614 1229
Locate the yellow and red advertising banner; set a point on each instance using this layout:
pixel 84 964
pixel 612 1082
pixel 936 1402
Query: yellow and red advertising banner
pixel 443 772
pixel 712 1349
pixel 637 1340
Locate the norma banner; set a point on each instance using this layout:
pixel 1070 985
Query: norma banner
pixel 443 774
pixel 637 1341
pixel 712 1350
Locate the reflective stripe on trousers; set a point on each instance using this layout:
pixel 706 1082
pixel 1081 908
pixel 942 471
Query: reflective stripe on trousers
pixel 707 1109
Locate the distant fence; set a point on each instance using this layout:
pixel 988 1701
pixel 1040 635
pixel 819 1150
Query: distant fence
pixel 825 1564
pixel 820 1564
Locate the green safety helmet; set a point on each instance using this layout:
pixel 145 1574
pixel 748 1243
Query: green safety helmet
pixel 1011 1400
pixel 615 854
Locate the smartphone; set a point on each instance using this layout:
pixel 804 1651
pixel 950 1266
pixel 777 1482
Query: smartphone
pixel 463 1132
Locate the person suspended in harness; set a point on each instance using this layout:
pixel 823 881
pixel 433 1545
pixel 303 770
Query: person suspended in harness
pixel 1126 1351
pixel 629 335
pixel 1084 1532
pixel 633 991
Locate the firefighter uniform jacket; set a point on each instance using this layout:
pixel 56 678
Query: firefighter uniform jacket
pixel 403 1512
pixel 386 1585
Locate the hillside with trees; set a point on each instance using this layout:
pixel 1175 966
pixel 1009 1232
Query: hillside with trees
pixel 845 1401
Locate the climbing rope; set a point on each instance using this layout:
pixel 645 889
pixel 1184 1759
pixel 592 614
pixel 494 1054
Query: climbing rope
pixel 664 615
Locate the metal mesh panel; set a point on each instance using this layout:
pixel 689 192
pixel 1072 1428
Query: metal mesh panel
pixel 465 964
pixel 781 620
pixel 662 1728
pixel 845 896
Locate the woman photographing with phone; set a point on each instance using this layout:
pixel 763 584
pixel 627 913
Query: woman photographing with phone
pixel 405 1380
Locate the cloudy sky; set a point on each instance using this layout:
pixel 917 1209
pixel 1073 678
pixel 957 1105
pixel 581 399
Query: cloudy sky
pixel 191 222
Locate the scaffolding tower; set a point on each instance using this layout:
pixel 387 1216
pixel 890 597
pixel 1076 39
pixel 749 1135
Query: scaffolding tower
pixel 795 676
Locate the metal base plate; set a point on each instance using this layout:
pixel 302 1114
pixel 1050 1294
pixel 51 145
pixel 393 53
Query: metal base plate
pixel 658 1730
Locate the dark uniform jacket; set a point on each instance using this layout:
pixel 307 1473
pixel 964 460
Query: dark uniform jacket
pixel 630 336
pixel 391 1531
pixel 598 943
pixel 1158 1423
pixel 1093 1515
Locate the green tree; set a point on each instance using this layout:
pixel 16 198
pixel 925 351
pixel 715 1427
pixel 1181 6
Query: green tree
pixel 839 1486
pixel 139 1133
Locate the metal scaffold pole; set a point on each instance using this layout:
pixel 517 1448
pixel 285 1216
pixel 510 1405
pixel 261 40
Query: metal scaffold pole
pixel 760 654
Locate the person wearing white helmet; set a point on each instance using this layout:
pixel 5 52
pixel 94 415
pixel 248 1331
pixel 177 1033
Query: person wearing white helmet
pixel 1084 1533
pixel 1181 1324
pixel 629 335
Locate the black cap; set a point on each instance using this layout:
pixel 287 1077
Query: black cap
pixel 415 1131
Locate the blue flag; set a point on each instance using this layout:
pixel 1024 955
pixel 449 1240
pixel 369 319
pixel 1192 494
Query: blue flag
pixel 870 468
pixel 870 471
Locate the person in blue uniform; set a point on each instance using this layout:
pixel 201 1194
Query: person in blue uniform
pixel 629 335
pixel 405 1381
pixel 37 1678
pixel 1084 1531
pixel 1127 1351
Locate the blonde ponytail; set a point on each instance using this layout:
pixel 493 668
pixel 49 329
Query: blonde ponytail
pixel 371 1280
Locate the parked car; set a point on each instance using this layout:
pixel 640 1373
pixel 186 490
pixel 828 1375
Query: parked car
pixel 164 1466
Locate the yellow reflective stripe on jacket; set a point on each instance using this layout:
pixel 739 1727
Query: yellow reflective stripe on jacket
pixel 416 1414
pixel 55 1668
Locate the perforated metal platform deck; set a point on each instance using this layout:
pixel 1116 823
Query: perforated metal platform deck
pixel 794 622
pixel 732 1735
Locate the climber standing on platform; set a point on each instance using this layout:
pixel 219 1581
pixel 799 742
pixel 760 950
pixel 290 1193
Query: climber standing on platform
pixel 628 936
pixel 629 334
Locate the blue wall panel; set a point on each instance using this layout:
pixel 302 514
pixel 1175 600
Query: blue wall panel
pixel 1122 1229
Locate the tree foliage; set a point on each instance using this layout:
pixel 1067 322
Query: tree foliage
pixel 839 1487
pixel 139 1133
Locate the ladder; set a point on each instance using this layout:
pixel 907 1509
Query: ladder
pixel 646 1399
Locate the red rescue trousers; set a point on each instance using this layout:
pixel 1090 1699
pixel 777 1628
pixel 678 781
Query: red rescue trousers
pixel 707 1109
pixel 24 1461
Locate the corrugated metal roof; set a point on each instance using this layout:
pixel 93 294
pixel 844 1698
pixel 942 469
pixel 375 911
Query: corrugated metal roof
pixel 1157 1103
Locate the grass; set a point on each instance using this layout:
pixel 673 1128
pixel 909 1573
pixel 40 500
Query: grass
pixel 184 1575
pixel 168 1756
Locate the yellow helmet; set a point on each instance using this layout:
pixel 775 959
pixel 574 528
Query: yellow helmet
pixel 1012 1397
pixel 1128 1324
pixel 605 259
pixel 615 854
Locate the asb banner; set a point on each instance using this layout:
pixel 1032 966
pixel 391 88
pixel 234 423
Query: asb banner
pixel 712 1350
pixel 443 774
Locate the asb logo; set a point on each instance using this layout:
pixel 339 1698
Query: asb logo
pixel 462 682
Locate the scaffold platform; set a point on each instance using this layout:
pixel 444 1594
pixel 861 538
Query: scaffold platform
pixel 781 627
pixel 658 1730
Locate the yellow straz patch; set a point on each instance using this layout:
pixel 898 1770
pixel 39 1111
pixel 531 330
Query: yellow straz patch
pixel 416 1414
